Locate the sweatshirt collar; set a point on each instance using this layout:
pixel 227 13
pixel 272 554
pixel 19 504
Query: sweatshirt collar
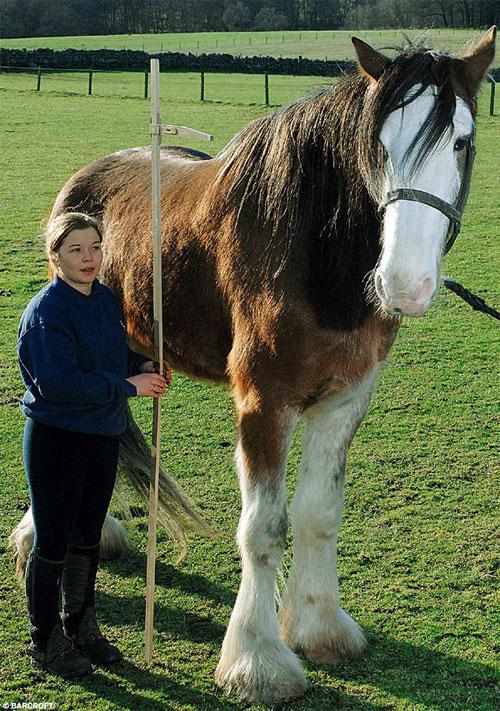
pixel 70 292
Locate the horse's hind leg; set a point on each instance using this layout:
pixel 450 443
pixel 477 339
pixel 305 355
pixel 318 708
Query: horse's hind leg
pixel 254 662
pixel 114 540
pixel 310 618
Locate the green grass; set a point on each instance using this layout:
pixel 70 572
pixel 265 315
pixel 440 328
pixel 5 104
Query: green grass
pixel 181 87
pixel 320 45
pixel 416 553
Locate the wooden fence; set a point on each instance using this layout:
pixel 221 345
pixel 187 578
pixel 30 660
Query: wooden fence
pixel 39 71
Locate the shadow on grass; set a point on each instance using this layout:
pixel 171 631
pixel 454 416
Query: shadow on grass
pixel 176 621
pixel 131 687
pixel 169 576
pixel 411 673
pixel 415 674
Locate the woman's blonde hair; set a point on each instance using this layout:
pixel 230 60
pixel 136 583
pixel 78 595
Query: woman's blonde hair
pixel 59 228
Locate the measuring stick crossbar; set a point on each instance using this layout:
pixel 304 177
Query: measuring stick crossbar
pixel 172 130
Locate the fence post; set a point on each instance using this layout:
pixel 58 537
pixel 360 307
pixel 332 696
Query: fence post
pixel 266 86
pixel 492 94
pixel 90 82
pixel 39 78
pixel 146 82
pixel 202 86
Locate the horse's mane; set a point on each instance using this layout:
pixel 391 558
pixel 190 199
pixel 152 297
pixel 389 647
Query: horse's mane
pixel 308 175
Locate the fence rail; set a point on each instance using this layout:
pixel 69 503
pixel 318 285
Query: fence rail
pixel 40 71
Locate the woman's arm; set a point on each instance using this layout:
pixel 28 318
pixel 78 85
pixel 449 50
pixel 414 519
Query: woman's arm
pixel 135 361
pixel 49 357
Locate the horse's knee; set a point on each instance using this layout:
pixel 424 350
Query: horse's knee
pixel 261 538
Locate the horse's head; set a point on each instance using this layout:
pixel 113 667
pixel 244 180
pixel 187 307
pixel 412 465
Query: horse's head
pixel 417 156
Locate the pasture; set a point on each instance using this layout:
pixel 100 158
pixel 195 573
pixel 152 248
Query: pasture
pixel 331 44
pixel 416 552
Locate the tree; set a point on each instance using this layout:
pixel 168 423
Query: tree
pixel 236 17
pixel 269 19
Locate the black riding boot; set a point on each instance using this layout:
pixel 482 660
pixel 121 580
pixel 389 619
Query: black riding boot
pixel 50 649
pixel 78 611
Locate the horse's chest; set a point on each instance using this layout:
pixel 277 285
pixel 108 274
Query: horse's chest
pixel 346 358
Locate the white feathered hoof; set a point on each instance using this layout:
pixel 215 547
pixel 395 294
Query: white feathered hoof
pixel 270 674
pixel 21 541
pixel 324 639
pixel 114 539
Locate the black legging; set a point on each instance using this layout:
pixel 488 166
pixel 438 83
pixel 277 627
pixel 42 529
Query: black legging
pixel 71 477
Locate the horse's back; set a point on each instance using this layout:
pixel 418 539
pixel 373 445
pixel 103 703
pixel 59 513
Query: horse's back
pixel 90 189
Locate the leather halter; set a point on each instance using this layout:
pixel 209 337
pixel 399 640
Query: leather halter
pixel 452 212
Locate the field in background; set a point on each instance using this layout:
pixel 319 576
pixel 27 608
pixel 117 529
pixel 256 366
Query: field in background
pixel 334 44
pixel 416 550
pixel 178 87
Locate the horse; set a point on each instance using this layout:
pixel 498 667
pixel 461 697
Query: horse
pixel 289 261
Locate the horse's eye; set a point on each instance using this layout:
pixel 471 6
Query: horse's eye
pixel 460 144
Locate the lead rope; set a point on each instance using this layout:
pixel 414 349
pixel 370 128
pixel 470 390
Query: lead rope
pixel 476 302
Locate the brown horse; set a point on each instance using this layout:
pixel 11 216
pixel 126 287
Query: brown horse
pixel 283 276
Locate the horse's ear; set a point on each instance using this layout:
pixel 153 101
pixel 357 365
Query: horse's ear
pixel 478 58
pixel 371 62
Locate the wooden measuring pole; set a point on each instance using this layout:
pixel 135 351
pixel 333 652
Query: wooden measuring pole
pixel 157 130
pixel 158 341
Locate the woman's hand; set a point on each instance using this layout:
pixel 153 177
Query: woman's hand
pixel 149 367
pixel 148 384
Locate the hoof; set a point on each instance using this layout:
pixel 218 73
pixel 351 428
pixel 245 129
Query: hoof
pixel 335 640
pixel 267 678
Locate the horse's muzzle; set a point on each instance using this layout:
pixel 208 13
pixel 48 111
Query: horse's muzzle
pixel 405 303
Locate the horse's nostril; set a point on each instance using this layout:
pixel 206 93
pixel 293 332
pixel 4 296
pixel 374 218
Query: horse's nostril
pixel 427 290
pixel 397 311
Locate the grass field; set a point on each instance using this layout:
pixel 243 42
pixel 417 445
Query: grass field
pixel 320 45
pixel 181 87
pixel 417 547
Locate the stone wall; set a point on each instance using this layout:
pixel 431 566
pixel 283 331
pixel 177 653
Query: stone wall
pixel 139 61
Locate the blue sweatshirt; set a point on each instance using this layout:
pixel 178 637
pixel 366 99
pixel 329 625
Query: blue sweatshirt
pixel 74 359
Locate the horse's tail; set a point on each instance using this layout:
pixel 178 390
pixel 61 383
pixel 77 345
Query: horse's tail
pixel 175 511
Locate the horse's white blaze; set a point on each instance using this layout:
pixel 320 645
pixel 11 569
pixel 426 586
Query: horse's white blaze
pixel 254 661
pixel 311 618
pixel 414 233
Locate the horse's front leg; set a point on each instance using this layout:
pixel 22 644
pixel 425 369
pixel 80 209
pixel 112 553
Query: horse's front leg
pixel 254 661
pixel 310 618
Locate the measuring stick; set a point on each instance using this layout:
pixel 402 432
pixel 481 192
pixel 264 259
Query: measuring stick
pixel 158 343
pixel 157 130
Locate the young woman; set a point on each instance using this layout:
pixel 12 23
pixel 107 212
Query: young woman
pixel 78 372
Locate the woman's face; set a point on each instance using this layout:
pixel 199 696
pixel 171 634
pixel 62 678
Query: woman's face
pixel 79 258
